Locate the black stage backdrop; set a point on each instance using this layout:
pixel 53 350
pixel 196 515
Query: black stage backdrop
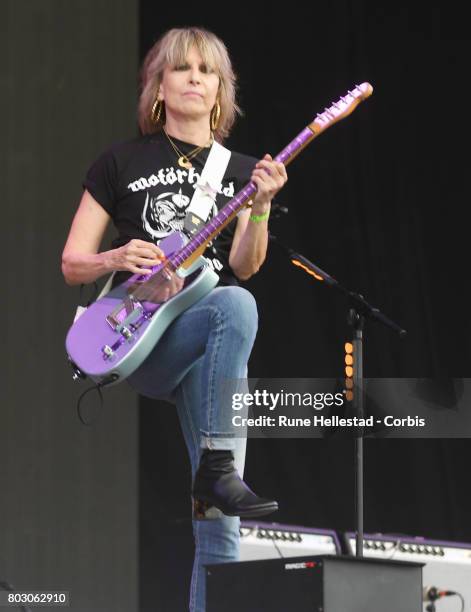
pixel 380 201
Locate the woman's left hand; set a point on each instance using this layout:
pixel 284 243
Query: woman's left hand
pixel 270 176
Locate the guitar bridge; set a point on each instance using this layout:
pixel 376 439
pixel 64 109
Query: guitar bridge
pixel 121 318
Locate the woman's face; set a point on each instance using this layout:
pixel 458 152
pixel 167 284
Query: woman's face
pixel 189 90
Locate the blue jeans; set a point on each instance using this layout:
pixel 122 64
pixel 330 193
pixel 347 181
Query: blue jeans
pixel 209 342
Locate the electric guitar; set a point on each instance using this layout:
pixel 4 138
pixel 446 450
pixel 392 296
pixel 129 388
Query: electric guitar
pixel 116 333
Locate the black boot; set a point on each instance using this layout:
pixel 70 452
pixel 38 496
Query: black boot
pixel 218 484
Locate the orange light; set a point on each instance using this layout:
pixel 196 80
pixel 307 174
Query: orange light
pixel 295 262
pixel 349 384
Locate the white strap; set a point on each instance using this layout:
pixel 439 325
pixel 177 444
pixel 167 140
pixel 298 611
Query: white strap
pixel 209 183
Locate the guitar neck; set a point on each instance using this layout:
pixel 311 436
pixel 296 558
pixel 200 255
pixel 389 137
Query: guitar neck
pixel 338 110
pixel 200 240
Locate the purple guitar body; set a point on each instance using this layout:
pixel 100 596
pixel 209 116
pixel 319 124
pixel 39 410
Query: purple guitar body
pixel 117 332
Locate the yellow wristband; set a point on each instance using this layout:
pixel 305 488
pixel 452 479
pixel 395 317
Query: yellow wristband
pixel 259 218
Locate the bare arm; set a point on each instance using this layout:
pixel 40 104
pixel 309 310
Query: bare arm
pixel 81 261
pixel 249 247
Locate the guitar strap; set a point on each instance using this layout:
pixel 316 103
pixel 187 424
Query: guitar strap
pixel 207 188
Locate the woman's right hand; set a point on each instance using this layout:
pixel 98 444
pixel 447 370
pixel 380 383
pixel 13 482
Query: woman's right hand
pixel 137 256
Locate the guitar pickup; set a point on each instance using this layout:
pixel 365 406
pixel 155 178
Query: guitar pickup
pixel 125 314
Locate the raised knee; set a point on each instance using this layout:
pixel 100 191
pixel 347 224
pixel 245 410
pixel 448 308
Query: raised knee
pixel 242 308
pixel 235 309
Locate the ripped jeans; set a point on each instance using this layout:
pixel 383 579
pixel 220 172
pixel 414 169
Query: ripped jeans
pixel 209 342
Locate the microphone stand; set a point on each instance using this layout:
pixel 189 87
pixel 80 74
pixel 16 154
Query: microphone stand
pixel 360 310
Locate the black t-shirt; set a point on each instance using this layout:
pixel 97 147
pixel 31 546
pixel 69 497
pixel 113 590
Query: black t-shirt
pixel 141 186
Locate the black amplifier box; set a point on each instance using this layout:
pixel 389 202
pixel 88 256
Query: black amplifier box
pixel 314 584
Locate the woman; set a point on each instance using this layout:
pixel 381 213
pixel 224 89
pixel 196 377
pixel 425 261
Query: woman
pixel 146 186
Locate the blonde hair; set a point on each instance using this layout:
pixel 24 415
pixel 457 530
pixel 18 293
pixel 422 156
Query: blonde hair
pixel 171 50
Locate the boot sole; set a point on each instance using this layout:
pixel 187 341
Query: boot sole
pixel 205 510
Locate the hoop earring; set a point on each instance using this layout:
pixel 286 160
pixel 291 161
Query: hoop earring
pixel 156 111
pixel 215 116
